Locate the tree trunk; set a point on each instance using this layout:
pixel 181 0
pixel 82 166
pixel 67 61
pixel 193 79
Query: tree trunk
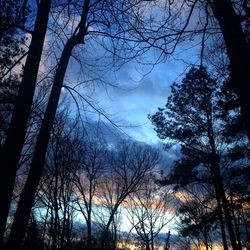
pixel 44 228
pixel 89 219
pixel 69 230
pixel 11 152
pixel 89 243
pixel 219 184
pixel 29 190
pixel 152 241
pixel 206 238
pixel 106 230
pixel 222 224
pixel 238 53
pixel 56 224
pixel 236 224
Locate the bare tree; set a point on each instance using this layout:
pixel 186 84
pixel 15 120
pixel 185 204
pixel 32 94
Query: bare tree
pixel 91 164
pixel 57 190
pixel 96 14
pixel 130 164
pixel 149 212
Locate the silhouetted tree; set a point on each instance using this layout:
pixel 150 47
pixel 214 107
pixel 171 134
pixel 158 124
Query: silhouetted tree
pixel 11 151
pixel 57 189
pixel 179 21
pixel 32 239
pixel 191 118
pixel 198 212
pixel 149 212
pixel 129 166
pixel 113 19
pixel 91 163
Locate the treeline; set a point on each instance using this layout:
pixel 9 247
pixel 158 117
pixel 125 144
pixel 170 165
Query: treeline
pixel 88 188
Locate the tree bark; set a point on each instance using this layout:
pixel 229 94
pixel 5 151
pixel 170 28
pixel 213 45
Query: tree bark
pixel 11 152
pixel 238 54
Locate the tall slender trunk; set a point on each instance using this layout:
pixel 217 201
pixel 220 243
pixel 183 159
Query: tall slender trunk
pixel 63 234
pixel 69 225
pixel 68 232
pixel 228 218
pixel 89 239
pixel 106 230
pixel 28 193
pixel 114 238
pixel 55 231
pixel 236 224
pixel 152 241
pixel 206 238
pixel 222 224
pixel 44 228
pixel 218 181
pixel 89 219
pixel 11 152
pixel 238 54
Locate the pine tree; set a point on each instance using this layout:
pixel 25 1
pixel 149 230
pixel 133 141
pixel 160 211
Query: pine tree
pixel 196 118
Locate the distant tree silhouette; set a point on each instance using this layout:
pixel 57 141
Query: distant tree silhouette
pixel 148 210
pixel 129 166
pixel 33 237
pixel 90 166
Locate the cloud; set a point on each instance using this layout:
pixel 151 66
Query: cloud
pixel 129 94
pixel 133 101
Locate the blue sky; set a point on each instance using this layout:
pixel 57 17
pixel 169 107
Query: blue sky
pixel 135 94
pixel 138 96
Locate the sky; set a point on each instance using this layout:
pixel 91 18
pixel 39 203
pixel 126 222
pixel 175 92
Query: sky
pixel 136 92
pixel 132 105
pixel 136 95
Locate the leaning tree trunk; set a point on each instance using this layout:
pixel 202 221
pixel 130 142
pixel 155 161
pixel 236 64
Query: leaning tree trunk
pixel 28 193
pixel 238 53
pixel 11 152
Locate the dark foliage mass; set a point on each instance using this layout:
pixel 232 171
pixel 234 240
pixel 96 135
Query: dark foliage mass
pixel 12 15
